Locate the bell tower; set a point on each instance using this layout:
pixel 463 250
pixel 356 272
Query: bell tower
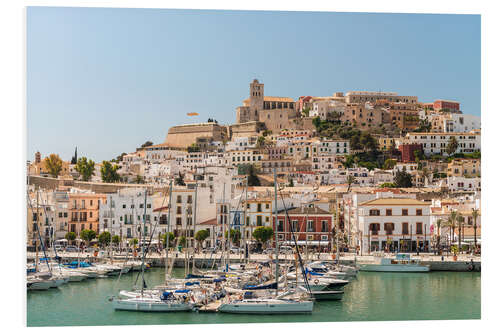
pixel 256 99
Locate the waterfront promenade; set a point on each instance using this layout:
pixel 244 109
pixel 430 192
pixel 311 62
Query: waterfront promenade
pixel 203 260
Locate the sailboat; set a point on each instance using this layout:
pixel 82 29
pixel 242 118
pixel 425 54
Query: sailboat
pixel 151 301
pixel 270 305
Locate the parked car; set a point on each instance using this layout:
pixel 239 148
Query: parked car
pixel 286 249
pixel 210 250
pixel 59 248
pixel 268 251
pixel 71 248
pixel 236 250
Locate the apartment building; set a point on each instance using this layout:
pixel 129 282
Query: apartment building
pixel 397 224
pixel 464 167
pixel 84 210
pixel 436 143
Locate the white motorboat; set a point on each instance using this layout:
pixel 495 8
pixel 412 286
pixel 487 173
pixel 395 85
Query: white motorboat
pixel 266 306
pixel 35 283
pixel 151 304
pixel 401 263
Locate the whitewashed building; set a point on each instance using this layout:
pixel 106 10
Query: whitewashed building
pixel 401 224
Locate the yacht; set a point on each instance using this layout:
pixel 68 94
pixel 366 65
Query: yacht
pixel 401 263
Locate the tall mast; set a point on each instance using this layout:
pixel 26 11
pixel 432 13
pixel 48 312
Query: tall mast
pixel 276 228
pixel 194 217
pixel 247 254
pixel 223 228
pixel 168 232
pixel 142 245
pixel 37 226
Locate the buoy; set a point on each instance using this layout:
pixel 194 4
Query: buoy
pixel 316 281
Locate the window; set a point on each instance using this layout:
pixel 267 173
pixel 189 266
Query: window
pixel 404 212
pixel 124 206
pixel 405 228
pixel 178 221
pixel 148 206
pixel 179 199
pixel 294 225
pixel 419 212
pixel 388 228
pixel 267 206
pixel 419 228
pixel 259 207
pixel 280 225
pixel 310 226
pixel 374 212
pixel 259 220
pixel 374 228
pixel 324 226
pixel 179 210
pixel 388 212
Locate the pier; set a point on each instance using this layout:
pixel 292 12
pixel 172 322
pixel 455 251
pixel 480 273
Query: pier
pixel 436 263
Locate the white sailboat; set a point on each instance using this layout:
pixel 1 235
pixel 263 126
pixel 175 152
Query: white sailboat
pixel 401 263
pixel 271 305
pixel 152 301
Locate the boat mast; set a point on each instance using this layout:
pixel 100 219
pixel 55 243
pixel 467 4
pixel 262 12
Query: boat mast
pixel 276 228
pixel 194 220
pixel 223 228
pixel 167 245
pixel 247 251
pixel 337 222
pixel 36 223
pixel 142 245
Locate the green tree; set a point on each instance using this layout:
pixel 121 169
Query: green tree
pixel 317 123
pixel 390 163
pixel 139 179
pixel 70 236
pixel 263 234
pixel 261 142
pixel 201 235
pixel 133 242
pixel 115 240
pixel 388 185
pixel 147 144
pixel 402 179
pixel 182 241
pixel 109 172
pixel 180 180
pixel 235 236
pixel 53 164
pixel 85 168
pixel 87 235
pixel 193 148
pixel 266 133
pixel 104 238
pixel 350 181
pixel 452 146
pixel 171 239
pixel 460 220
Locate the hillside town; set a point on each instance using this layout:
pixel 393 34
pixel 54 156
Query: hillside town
pixel 362 171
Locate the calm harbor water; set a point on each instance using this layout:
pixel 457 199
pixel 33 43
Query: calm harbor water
pixel 372 296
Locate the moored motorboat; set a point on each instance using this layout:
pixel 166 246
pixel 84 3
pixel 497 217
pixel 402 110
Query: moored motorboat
pixel 401 263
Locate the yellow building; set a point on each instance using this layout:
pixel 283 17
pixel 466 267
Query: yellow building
pixel 464 167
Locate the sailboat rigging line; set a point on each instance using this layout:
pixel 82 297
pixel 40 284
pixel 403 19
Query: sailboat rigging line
pixel 38 230
pixel 296 246
pixel 51 233
pixel 153 231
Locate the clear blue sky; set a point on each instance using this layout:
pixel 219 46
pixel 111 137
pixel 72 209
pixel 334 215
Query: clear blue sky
pixel 107 80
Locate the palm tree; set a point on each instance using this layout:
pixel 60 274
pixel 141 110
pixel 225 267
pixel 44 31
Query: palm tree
pixel 475 214
pixel 460 220
pixel 438 224
pixel 350 180
pixel 451 223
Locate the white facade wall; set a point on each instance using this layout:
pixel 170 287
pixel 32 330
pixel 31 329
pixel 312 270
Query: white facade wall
pixel 436 143
pixel 464 184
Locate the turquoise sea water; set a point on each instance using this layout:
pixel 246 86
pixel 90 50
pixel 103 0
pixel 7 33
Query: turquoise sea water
pixel 372 296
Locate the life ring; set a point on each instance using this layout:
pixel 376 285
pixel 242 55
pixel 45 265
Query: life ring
pixel 316 281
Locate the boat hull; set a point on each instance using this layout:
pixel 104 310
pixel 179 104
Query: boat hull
pixel 395 268
pixel 147 306
pixel 266 308
pixel 333 295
